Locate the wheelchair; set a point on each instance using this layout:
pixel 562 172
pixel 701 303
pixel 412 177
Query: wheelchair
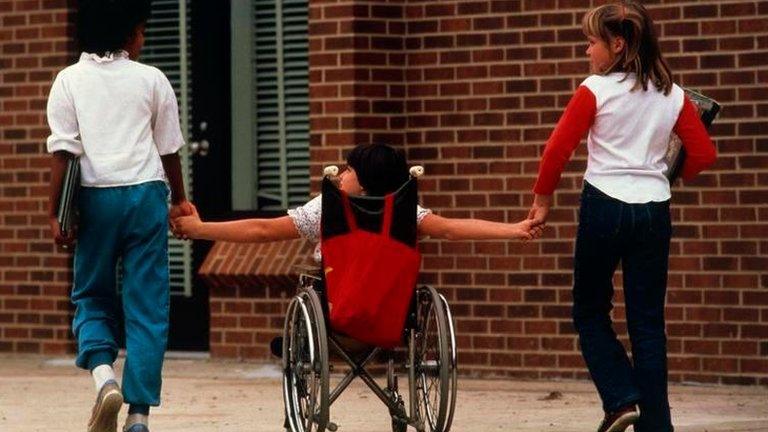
pixel 429 361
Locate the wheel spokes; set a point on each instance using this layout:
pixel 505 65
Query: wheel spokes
pixel 431 361
pixel 303 369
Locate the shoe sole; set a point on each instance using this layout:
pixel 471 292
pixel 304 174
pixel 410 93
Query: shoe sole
pixel 106 416
pixel 623 422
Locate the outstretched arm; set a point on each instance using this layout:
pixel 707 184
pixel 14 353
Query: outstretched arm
pixel 238 231
pixel 477 229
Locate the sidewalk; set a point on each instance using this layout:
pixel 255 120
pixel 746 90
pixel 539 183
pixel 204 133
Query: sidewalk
pixel 39 394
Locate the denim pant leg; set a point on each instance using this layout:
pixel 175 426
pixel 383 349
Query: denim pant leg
pixel 145 292
pixel 645 264
pixel 597 254
pixel 94 293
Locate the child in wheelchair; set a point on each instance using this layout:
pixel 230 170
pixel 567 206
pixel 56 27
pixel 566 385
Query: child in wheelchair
pixel 370 266
pixel 372 169
pixel 375 173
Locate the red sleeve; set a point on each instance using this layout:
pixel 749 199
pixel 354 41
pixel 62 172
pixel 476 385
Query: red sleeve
pixel 575 122
pixel 699 149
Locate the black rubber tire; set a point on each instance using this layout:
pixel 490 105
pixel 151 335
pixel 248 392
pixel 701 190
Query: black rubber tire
pixel 435 360
pixel 304 335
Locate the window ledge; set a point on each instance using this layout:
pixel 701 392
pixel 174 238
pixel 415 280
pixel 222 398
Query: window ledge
pixel 259 265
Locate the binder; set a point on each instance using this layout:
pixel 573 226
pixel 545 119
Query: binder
pixel 708 110
pixel 67 211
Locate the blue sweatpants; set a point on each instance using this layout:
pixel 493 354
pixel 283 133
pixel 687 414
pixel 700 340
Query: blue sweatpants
pixel 131 223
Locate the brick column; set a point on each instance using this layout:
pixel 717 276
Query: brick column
pixel 35 313
pixel 356 62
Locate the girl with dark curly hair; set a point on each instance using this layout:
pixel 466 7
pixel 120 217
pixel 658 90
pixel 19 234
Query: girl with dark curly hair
pixel 121 119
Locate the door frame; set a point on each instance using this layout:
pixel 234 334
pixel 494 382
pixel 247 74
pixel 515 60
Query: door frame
pixel 211 182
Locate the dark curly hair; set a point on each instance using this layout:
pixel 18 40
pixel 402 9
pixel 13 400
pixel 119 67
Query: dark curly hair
pixel 380 169
pixel 105 26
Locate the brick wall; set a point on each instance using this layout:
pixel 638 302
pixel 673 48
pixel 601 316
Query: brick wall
pixel 471 89
pixel 35 42
pixel 485 82
pixel 357 77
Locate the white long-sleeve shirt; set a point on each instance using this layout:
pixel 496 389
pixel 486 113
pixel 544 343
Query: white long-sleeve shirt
pixel 628 138
pixel 118 115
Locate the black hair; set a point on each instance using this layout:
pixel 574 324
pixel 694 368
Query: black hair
pixel 380 169
pixel 105 26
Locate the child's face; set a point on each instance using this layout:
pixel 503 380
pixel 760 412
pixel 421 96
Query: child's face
pixel 600 55
pixel 136 43
pixel 348 182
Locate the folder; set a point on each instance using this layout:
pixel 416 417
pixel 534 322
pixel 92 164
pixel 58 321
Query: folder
pixel 67 211
pixel 708 110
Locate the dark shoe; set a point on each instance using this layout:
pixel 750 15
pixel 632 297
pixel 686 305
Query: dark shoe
pixel 137 427
pixel 620 420
pixel 108 404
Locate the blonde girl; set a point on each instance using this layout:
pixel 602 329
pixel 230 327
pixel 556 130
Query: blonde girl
pixel 629 107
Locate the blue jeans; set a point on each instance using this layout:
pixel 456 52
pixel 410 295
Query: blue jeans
pixel 128 222
pixel 638 235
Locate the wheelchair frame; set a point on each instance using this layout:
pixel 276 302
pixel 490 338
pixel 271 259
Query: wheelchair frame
pixel 431 365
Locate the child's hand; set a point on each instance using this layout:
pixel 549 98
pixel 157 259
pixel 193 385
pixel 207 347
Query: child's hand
pixel 184 208
pixel 187 227
pixel 58 237
pixel 528 229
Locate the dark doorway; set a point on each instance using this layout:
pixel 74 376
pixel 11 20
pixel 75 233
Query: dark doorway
pixel 209 149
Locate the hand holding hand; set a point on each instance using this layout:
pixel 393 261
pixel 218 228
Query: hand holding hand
pixel 528 229
pixel 540 209
pixel 183 208
pixel 186 227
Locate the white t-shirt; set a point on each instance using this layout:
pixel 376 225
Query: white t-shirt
pixel 118 115
pixel 307 221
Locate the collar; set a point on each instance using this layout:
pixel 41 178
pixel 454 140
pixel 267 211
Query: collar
pixel 108 58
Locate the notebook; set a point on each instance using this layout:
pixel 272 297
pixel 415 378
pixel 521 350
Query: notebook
pixel 67 211
pixel 708 110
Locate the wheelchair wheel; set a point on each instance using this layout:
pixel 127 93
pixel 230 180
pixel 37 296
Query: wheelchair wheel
pixel 434 360
pixel 305 364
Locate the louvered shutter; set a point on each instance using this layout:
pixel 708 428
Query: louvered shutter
pixel 296 99
pixel 271 121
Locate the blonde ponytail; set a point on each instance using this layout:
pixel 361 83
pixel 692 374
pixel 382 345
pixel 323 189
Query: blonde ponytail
pixel 641 54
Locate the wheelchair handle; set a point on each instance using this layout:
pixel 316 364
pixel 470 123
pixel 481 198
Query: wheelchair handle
pixel 331 171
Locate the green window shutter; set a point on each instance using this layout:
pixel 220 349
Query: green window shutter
pixel 166 46
pixel 270 104
pixel 267 100
pixel 296 98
